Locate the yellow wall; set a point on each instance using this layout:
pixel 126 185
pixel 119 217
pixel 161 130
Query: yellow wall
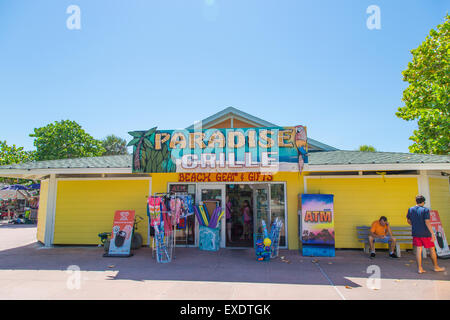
pixel 360 201
pixel 294 186
pixel 43 198
pixel 85 208
pixel 440 201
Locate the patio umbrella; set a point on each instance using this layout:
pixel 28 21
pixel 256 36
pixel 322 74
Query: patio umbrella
pixel 15 187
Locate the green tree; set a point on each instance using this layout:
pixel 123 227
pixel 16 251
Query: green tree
pixel 427 96
pixel 114 145
pixel 366 148
pixel 64 140
pixel 13 155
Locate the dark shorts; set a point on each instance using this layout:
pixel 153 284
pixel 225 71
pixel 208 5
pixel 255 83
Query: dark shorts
pixel 423 242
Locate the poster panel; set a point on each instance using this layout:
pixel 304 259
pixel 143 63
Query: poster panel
pixel 441 243
pixel 122 232
pixel 317 215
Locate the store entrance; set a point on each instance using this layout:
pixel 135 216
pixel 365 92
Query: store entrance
pixel 246 206
pixel 211 196
pixel 265 202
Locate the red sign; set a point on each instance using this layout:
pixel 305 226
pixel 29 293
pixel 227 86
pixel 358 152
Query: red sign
pixel 122 233
pixel 441 243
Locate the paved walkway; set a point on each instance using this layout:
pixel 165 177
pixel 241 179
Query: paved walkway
pixel 30 271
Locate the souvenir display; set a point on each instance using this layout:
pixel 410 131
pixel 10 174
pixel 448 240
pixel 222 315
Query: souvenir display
pixel 263 252
pixel 209 235
pixel 165 212
pixel 274 236
pixel 207 220
pixel 267 245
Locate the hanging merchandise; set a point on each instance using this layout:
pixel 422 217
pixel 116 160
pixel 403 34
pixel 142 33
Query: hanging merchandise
pixel 154 205
pixel 166 216
pixel 178 208
pixel 166 211
pixel 162 243
pixel 182 224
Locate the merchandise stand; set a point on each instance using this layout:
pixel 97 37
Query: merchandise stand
pixel 171 211
pixel 209 220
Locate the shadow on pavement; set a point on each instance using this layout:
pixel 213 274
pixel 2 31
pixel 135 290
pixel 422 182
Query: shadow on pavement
pixel 226 265
pixel 16 226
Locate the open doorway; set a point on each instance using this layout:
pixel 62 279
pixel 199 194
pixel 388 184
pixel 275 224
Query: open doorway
pixel 239 215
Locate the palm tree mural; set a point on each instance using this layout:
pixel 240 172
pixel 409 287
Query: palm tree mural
pixel 145 157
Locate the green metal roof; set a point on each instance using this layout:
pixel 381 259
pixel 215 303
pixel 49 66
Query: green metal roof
pixel 342 157
pixel 338 157
pixel 121 161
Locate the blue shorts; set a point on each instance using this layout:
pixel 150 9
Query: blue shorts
pixel 386 239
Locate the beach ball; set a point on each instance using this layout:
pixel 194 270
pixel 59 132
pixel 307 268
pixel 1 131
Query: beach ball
pixel 267 242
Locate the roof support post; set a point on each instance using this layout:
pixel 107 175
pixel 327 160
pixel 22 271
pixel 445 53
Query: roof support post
pixel 51 210
pixel 424 187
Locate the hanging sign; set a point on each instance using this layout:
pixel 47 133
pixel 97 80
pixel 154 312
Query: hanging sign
pixel 317 214
pixel 122 233
pixel 267 149
pixel 441 243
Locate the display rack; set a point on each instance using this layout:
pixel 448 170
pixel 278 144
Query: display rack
pixel 164 240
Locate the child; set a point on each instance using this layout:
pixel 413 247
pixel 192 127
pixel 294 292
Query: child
pixel 229 218
pixel 247 215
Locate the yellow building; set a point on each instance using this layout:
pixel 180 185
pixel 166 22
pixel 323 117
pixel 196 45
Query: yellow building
pixel 79 196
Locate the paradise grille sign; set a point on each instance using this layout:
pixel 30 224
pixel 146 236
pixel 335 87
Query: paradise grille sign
pixel 268 149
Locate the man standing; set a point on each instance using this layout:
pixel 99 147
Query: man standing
pixel 419 218
pixel 381 232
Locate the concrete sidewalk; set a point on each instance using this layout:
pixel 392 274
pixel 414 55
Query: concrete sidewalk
pixel 30 271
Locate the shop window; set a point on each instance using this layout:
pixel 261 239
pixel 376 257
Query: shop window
pixel 278 208
pixel 186 228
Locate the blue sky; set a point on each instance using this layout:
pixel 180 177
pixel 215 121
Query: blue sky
pixel 138 64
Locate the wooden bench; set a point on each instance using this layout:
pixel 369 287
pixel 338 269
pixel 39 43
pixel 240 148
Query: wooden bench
pixel 401 234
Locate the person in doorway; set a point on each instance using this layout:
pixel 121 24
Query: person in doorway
pixel 229 218
pixel 247 215
pixel 381 232
pixel 419 219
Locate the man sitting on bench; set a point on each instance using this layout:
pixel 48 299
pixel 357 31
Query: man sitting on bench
pixel 381 232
